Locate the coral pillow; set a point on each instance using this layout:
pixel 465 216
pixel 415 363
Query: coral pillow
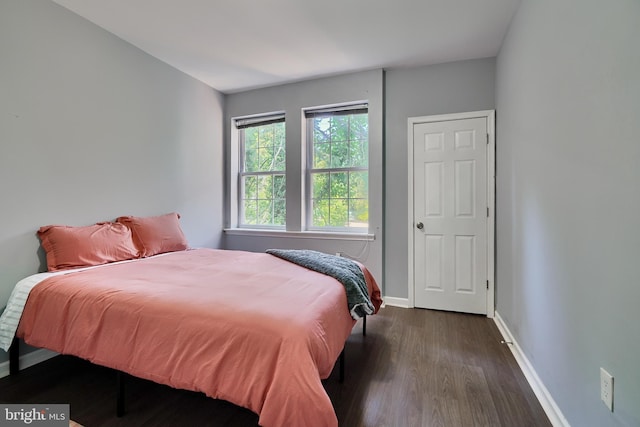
pixel 71 247
pixel 156 234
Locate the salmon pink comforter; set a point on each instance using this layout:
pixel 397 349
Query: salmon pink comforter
pixel 245 327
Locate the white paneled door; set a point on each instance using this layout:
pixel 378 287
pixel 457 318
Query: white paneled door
pixel 450 215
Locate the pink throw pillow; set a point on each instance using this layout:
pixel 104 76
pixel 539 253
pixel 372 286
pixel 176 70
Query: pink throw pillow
pixel 71 247
pixel 156 234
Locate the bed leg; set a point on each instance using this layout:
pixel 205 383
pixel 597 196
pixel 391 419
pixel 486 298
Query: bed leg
pixel 364 325
pixel 341 378
pixel 120 394
pixel 14 356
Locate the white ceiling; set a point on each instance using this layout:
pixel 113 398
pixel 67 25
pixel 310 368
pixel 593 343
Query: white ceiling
pixel 233 45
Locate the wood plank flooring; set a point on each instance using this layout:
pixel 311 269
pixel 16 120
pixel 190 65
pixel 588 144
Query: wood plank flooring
pixel 414 368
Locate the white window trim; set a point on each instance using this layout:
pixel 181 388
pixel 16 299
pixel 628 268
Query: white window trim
pixel 305 209
pixel 263 232
pixel 235 173
pixel 270 231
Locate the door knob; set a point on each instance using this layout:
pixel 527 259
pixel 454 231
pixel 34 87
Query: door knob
pixel 420 226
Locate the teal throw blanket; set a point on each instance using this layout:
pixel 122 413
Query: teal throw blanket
pixel 342 269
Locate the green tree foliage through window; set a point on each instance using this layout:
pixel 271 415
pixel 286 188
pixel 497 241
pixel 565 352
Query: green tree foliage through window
pixel 339 170
pixel 263 174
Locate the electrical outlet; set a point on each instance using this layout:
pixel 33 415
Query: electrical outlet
pixel 606 388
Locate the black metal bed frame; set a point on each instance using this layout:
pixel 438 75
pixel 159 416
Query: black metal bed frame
pixel 14 356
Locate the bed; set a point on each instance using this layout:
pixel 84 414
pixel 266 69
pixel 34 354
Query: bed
pixel 250 328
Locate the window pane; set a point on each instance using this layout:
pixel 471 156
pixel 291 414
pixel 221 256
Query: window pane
pixel 265 187
pixel 250 212
pixel 263 194
pixel 339 154
pixel 321 155
pixel 339 213
pixel 265 155
pixel 265 135
pixel 320 212
pixel 250 187
pixel 251 161
pixel 279 187
pixel 359 153
pixel 339 185
pixel 251 138
pixel 339 144
pixel 339 128
pixel 279 211
pixel 358 185
pixel 321 129
pixel 358 212
pixel 279 159
pixel 279 134
pixel 265 212
pixel 359 127
pixel 264 148
pixel 320 185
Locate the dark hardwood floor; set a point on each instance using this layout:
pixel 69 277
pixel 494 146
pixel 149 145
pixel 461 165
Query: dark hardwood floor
pixel 414 368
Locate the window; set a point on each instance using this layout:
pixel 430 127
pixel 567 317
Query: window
pixel 262 186
pixel 337 170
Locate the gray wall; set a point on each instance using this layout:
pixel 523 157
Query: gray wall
pixel 568 168
pixel 437 89
pixel 291 98
pixel 454 87
pixel 92 128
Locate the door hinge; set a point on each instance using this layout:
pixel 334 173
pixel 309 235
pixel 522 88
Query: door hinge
pixel 487 284
pixel 487 139
pixel 487 211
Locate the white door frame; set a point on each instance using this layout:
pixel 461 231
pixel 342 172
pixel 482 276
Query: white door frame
pixel 491 190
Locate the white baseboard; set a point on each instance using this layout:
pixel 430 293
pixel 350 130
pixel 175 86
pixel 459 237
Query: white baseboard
pixel 396 302
pixel 27 360
pixel 541 392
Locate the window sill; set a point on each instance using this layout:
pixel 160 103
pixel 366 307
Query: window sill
pixel 299 234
